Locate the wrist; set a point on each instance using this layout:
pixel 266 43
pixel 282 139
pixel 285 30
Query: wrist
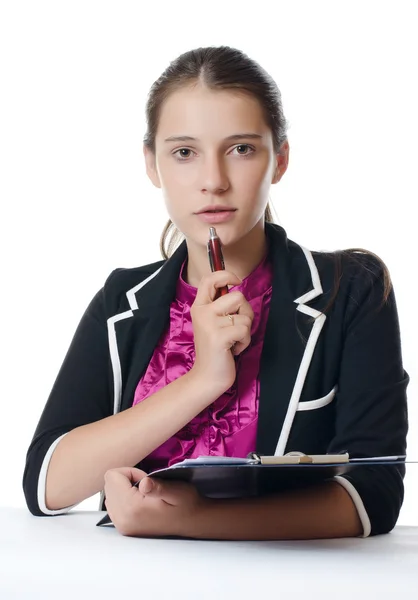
pixel 210 388
pixel 207 391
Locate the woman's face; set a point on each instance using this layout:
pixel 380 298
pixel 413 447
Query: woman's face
pixel 213 148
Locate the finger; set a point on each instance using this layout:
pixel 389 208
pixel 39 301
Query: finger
pixel 124 476
pixel 207 288
pixel 240 320
pixel 171 492
pixel 233 303
pixel 146 485
pixel 239 347
pixel 237 336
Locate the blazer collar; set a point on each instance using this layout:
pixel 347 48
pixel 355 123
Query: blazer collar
pixel 300 287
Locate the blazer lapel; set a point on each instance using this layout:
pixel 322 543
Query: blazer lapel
pixel 138 331
pixel 290 339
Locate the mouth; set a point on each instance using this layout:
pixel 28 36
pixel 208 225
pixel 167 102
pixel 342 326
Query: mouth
pixel 216 209
pixel 216 215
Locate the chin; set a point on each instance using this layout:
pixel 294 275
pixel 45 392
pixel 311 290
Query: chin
pixel 230 233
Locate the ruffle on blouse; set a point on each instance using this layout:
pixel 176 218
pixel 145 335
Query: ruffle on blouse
pixel 228 426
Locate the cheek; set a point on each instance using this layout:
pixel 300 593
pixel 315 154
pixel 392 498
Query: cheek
pixel 174 176
pixel 175 193
pixel 254 179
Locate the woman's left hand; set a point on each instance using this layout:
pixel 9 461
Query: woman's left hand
pixel 154 508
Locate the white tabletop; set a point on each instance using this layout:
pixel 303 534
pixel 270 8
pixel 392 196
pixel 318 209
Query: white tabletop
pixel 66 556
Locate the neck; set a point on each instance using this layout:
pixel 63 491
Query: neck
pixel 241 258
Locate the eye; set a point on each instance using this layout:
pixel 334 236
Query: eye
pixel 243 149
pixel 183 153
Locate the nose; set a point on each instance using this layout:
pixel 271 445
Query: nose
pixel 214 177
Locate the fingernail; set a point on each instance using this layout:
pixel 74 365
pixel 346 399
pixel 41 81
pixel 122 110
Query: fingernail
pixel 147 485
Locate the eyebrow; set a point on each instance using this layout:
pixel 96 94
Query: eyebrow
pixel 235 136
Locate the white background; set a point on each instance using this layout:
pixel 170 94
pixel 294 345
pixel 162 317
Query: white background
pixel 75 199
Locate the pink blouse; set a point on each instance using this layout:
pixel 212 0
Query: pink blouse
pixel 228 426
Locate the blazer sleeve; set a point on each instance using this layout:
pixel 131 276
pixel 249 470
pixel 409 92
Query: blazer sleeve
pixel 81 394
pixel 371 402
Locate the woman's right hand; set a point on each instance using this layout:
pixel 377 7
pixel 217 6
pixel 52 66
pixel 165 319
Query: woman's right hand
pixel 216 338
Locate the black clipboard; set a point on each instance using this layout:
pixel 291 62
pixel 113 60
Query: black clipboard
pixel 238 478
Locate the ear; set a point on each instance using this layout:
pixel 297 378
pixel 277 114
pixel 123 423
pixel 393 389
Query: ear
pixel 282 161
pixel 151 167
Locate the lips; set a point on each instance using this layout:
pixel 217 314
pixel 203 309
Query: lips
pixel 217 215
pixel 216 209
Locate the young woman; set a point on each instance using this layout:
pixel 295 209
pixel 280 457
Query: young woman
pixel 303 353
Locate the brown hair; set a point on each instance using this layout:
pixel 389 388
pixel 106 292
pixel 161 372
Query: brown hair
pixel 225 68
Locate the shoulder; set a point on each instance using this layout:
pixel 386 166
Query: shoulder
pixel 353 264
pixel 350 267
pixel 121 280
pixel 352 277
pixel 124 278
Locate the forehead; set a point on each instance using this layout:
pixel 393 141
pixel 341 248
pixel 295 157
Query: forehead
pixel 201 112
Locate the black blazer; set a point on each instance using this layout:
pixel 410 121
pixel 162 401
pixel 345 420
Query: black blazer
pixel 328 382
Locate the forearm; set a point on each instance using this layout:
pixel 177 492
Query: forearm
pixel 82 457
pixel 325 511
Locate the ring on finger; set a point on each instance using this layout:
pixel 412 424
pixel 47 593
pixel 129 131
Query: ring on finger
pixel 230 317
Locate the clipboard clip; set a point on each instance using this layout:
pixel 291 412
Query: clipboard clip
pixel 296 458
